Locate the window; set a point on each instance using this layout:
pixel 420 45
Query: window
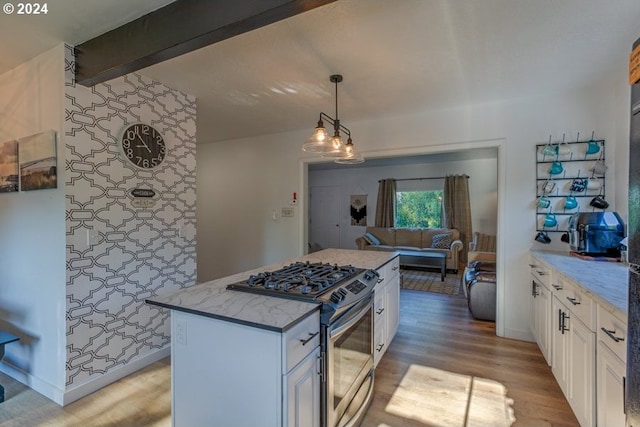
pixel 418 208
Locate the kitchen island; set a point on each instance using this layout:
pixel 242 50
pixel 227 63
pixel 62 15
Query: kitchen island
pixel 241 359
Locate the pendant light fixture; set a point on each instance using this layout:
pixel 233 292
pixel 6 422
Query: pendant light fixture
pixel 333 146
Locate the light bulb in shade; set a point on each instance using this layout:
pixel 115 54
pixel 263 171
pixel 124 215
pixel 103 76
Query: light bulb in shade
pixel 337 148
pixel 320 134
pixel 336 142
pixel 319 141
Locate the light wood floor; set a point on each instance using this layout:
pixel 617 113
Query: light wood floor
pixel 437 336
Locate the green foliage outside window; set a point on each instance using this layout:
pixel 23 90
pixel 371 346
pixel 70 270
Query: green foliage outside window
pixel 418 208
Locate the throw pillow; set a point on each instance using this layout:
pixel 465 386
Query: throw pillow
pixel 441 241
pixel 373 240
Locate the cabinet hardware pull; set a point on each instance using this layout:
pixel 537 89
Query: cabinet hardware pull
pixel 624 395
pixel 394 268
pixel 557 287
pixel 533 266
pixel 542 273
pixel 380 311
pixel 379 348
pixel 611 334
pixel 380 280
pixel 323 366
pixel 560 320
pixel 573 301
pixel 309 338
pixel 564 325
pixel 534 289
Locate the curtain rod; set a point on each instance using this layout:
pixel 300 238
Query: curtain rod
pixel 420 179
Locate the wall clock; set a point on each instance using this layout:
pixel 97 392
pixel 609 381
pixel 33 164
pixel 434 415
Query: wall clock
pixel 143 146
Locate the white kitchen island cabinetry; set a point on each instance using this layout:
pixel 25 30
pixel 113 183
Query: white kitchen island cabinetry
pixel 229 374
pixel 386 308
pixel 240 359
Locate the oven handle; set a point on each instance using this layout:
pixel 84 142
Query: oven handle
pixel 365 405
pixel 347 321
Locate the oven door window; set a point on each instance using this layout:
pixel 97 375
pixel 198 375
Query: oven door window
pixel 351 355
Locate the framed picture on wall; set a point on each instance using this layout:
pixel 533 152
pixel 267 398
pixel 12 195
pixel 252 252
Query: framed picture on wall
pixel 8 166
pixel 38 161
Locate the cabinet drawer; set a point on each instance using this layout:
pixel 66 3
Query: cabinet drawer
pixel 392 268
pixel 540 273
pixel 578 302
pixel 301 340
pixel 613 333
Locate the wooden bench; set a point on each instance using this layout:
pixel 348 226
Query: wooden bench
pixel 5 338
pixel 425 259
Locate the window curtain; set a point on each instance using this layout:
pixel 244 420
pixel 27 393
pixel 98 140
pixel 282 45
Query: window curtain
pixel 457 209
pixel 386 204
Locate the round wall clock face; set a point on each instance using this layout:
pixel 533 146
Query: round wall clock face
pixel 143 146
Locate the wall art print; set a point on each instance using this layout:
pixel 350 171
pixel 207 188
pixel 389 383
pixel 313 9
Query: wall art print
pixel 359 210
pixel 38 160
pixel 8 166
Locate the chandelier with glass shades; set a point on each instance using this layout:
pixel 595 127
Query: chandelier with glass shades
pixel 333 147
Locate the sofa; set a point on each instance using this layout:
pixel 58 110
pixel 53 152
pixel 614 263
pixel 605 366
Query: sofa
pixel 445 240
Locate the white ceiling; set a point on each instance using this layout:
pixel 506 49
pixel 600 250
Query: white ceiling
pixel 69 21
pixel 397 57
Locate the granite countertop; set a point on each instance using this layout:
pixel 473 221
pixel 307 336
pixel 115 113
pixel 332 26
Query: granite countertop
pixel 606 282
pixel 212 299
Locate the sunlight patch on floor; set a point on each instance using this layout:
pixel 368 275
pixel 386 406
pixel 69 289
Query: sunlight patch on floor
pixel 440 398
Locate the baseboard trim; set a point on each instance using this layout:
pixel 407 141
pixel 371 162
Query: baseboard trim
pixel 518 335
pixel 45 388
pixel 71 395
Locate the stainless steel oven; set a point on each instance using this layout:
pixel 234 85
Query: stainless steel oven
pixel 346 325
pixel 348 372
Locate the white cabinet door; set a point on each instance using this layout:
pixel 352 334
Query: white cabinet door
pixel 581 371
pixel 392 294
pixel 303 393
pixel 611 372
pixel 542 316
pixel 560 344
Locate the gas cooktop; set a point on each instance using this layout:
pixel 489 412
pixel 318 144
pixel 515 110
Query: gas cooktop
pixel 299 280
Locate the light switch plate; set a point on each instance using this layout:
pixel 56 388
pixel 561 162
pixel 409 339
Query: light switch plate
pixel 287 212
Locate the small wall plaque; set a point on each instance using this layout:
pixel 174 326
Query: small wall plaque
pixel 142 192
pixel 143 203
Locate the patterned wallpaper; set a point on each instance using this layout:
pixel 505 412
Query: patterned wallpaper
pixel 118 254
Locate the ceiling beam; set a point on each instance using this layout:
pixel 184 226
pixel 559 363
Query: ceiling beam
pixel 175 29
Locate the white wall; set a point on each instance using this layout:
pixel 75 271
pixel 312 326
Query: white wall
pixel 245 179
pixel 483 186
pixel 32 240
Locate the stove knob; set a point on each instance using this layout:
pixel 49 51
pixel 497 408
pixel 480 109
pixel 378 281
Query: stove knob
pixel 335 297
pixel 370 274
pixel 343 292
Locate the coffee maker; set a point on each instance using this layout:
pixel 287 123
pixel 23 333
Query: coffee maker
pixel 596 233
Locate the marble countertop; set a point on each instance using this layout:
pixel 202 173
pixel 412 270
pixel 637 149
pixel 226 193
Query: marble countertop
pixel 212 299
pixel 606 282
